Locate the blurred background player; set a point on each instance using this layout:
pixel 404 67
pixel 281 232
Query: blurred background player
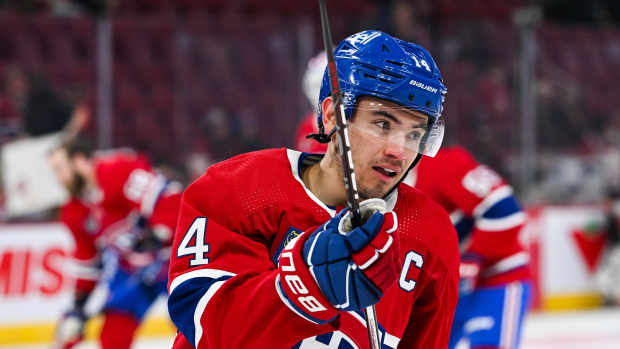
pixel 121 214
pixel 495 287
pixel 311 86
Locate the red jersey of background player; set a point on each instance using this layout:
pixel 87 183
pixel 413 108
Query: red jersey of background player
pixel 483 209
pixel 234 222
pixel 126 187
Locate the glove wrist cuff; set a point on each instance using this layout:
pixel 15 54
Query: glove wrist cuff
pixel 298 288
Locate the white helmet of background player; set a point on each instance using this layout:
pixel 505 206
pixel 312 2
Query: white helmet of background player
pixel 313 77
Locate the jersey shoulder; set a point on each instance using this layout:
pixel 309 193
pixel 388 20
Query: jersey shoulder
pixel 455 179
pixel 114 163
pixel 425 222
pixel 242 184
pixel 242 169
pixel 450 159
pixel 252 164
pixel 113 168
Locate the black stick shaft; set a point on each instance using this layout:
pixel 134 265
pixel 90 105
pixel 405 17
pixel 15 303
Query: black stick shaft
pixel 347 160
pixel 341 122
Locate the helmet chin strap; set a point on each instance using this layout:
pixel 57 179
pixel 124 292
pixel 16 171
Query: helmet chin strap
pixel 321 137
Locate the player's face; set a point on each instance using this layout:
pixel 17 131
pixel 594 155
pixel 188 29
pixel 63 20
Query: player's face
pixel 65 173
pixel 385 139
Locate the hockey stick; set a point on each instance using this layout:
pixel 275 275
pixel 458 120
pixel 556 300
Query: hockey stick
pixel 347 160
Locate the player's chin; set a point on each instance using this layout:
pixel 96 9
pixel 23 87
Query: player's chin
pixel 378 191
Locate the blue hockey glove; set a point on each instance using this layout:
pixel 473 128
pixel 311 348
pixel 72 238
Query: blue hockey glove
pixel 338 267
pixel 354 266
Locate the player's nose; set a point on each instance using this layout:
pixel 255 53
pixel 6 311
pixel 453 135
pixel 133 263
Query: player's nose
pixel 396 149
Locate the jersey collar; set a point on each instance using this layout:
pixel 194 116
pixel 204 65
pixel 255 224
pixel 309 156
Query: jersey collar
pixel 297 158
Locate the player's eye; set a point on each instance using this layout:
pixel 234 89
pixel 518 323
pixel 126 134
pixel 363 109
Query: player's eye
pixel 415 135
pixel 383 125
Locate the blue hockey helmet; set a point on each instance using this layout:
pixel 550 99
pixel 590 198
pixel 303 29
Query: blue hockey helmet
pixel 373 63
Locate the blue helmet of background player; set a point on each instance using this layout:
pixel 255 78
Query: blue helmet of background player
pixel 372 63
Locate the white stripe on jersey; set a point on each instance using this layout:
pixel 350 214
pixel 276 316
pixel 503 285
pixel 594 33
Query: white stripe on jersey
pixel 499 224
pixel 511 262
pixel 200 309
pixel 456 216
pixel 201 273
pixel 478 323
pixel 149 199
pixel 510 316
pixel 337 340
pixel 87 269
pixel 391 340
pixel 293 158
pixel 494 197
pixel 84 271
pixel 357 317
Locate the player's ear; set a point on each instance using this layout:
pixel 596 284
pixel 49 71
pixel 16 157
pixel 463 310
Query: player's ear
pixel 329 121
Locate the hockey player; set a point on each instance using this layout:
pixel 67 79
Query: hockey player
pixel 122 216
pixel 265 256
pixel 494 289
pixel 311 84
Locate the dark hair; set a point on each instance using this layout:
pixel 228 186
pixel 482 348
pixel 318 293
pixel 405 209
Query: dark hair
pixel 78 146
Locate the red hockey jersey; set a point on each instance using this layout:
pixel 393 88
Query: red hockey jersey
pixel 233 223
pixel 83 221
pixel 483 209
pixel 126 185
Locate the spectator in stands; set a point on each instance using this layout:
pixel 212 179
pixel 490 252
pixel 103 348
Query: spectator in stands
pixel 218 125
pixel 12 95
pixel 44 110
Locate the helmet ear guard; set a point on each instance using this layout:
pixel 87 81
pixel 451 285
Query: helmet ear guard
pixel 372 63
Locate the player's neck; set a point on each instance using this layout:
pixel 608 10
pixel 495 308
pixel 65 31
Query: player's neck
pixel 324 181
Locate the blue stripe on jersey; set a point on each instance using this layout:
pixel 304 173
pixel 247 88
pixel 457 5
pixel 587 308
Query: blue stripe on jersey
pixel 183 301
pixel 502 208
pixel 464 227
pixel 327 340
pixel 324 338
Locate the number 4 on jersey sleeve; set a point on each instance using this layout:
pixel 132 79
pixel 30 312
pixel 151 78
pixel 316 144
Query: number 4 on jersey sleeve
pixel 199 249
